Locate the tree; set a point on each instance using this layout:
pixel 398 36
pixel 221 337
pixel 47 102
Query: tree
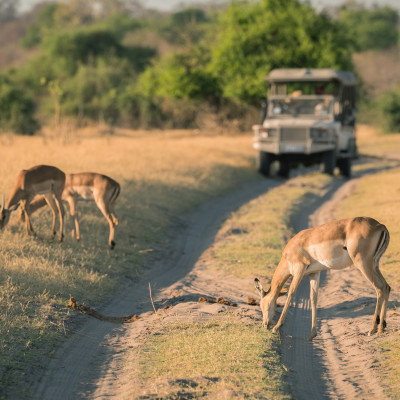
pixel 16 108
pixel 253 38
pixel 370 29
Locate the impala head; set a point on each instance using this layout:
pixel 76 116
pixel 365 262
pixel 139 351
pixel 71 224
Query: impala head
pixel 267 303
pixel 5 213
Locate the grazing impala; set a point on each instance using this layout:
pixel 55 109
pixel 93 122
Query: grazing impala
pixel 338 244
pixel 89 186
pixel 42 179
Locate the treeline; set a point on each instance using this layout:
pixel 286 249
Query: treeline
pixel 132 67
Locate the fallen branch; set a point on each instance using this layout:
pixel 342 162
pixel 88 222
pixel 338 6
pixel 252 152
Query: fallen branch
pixel 72 304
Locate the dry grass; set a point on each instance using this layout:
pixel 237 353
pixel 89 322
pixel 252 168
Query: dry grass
pixel 163 176
pixel 373 143
pixel 251 241
pixel 222 358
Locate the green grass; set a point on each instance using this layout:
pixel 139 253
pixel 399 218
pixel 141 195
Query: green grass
pixel 252 239
pixel 221 358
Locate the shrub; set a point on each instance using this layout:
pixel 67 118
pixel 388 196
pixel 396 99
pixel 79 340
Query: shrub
pixel 16 109
pixel 390 106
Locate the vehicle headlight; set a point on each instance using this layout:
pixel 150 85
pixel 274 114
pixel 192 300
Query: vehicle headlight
pixel 267 133
pixel 317 133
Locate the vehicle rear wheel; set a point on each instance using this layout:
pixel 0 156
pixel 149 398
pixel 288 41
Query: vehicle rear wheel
pixel 329 162
pixel 263 163
pixel 344 165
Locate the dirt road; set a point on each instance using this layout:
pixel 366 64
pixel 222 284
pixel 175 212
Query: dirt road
pixel 92 364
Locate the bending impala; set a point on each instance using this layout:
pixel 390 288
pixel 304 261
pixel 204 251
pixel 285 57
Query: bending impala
pixel 89 186
pixel 42 179
pixel 338 244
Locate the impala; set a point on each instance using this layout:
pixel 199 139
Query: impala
pixel 336 245
pixel 89 186
pixel 41 179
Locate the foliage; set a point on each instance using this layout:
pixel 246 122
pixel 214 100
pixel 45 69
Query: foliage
pixel 218 58
pixel 257 37
pixel 186 27
pixel 16 108
pixel 247 42
pixel 43 23
pixel 390 108
pixel 370 28
pixel 179 76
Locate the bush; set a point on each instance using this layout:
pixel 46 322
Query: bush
pixel 370 29
pixel 16 109
pixel 390 106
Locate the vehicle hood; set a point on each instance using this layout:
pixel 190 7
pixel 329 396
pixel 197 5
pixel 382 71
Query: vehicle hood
pixel 297 123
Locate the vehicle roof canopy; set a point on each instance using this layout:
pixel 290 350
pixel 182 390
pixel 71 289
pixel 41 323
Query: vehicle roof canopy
pixel 311 75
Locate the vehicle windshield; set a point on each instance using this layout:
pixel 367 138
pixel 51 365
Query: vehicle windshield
pixel 319 107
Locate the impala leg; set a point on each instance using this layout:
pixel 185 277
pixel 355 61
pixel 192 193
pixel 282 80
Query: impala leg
pixel 292 289
pixel 51 203
pixel 314 286
pixel 61 212
pixel 72 209
pixel 382 319
pixel 28 225
pixel 382 289
pixel 112 213
pixel 108 216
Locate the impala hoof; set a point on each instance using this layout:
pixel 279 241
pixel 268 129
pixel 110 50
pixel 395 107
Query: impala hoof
pixel 112 245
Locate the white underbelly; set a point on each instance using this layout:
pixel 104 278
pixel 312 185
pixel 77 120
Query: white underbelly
pixel 83 192
pixel 340 262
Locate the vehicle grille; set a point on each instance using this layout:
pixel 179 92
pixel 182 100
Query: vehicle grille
pixel 294 134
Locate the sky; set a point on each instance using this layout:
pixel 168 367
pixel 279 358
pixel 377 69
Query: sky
pixel 168 5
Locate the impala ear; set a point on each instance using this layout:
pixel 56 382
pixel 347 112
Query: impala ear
pixel 260 289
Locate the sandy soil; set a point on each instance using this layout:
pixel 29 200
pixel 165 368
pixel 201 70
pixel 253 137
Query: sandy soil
pixel 339 363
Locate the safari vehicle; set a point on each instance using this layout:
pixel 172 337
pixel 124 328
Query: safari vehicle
pixel 308 118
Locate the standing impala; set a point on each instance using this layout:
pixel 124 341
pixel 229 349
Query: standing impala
pixel 89 186
pixel 41 179
pixel 336 245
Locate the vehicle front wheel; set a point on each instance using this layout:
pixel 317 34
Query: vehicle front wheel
pixel 263 163
pixel 284 169
pixel 329 162
pixel 344 165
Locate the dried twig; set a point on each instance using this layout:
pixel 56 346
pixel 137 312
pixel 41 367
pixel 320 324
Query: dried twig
pixel 72 304
pixel 151 298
